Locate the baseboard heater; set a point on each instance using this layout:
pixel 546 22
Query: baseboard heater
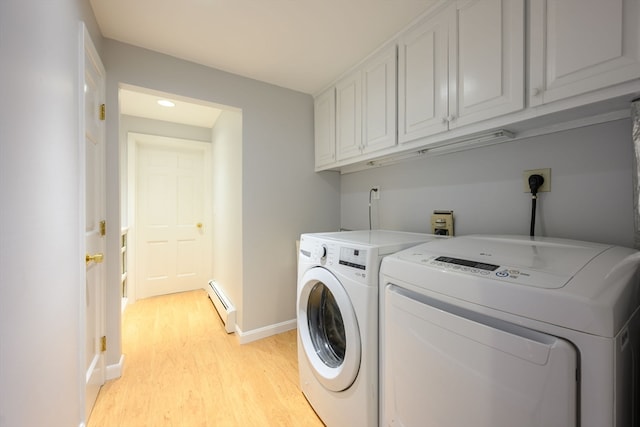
pixel 225 309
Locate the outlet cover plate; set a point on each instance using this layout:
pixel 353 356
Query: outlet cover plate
pixel 545 173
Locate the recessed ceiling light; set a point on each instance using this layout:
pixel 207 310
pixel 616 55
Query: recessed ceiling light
pixel 166 103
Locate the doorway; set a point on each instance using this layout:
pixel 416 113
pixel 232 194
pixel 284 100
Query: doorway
pixel 184 134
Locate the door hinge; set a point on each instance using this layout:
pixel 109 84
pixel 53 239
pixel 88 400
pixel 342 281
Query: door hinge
pixel 103 227
pixel 103 344
pixel 103 112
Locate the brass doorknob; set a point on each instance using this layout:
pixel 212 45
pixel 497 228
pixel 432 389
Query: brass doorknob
pixel 199 225
pixel 97 258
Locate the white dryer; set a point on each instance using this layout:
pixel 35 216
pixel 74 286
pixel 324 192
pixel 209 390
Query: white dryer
pixel 510 331
pixel 338 321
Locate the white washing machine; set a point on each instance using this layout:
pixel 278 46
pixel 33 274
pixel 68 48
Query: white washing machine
pixel 338 321
pixel 510 331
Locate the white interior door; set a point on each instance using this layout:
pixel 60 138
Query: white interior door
pixel 95 213
pixel 173 209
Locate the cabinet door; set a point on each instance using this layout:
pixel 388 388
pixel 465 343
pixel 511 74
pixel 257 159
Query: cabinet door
pixel 349 116
pixel 379 101
pixel 487 70
pixel 422 79
pixel 325 128
pixel 579 46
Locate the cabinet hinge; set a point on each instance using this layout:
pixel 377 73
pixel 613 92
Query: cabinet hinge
pixel 103 227
pixel 103 112
pixel 103 344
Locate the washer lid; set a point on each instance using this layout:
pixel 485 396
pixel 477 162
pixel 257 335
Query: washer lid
pixel 582 286
pixel 385 241
pixel 542 263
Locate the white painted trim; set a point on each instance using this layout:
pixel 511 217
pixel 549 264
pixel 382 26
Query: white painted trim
pixel 82 160
pixel 115 371
pixel 266 331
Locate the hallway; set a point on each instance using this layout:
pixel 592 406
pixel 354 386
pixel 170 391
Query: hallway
pixel 182 369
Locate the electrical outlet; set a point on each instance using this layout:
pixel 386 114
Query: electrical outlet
pixel 375 192
pixel 545 173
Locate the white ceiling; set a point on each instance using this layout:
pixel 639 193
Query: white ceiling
pixel 297 44
pixel 144 103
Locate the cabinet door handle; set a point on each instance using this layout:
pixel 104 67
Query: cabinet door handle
pixel 536 91
pixel 451 118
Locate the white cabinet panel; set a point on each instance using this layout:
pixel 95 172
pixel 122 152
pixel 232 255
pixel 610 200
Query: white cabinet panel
pixel 349 116
pixel 460 66
pixel 423 80
pixel 379 78
pixel 578 46
pixel 325 128
pixel 366 107
pixel 490 61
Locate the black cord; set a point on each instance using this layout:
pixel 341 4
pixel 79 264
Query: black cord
pixel 535 182
pixel 532 231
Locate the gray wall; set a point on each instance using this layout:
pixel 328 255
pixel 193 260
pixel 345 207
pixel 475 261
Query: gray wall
pixel 228 215
pixel 590 199
pixel 41 240
pixel 281 195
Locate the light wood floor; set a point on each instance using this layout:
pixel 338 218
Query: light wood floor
pixel 182 369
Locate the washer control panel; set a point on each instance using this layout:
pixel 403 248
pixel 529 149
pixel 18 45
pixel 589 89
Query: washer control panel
pixel 522 276
pixel 330 254
pixel 356 262
pixel 473 265
pixel 352 257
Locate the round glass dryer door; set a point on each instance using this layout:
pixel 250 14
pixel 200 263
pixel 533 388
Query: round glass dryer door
pixel 328 329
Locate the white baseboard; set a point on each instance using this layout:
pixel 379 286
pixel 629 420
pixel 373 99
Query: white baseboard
pixel 114 371
pixel 267 331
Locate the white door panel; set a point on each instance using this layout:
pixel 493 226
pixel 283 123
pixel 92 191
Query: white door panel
pixel 173 210
pixel 95 213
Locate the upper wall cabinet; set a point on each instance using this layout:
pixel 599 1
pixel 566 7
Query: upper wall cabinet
pixel 578 46
pixel 460 66
pixel 325 128
pixel 423 88
pixel 366 107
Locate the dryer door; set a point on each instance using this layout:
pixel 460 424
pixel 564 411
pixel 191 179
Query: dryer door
pixel 438 358
pixel 328 329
